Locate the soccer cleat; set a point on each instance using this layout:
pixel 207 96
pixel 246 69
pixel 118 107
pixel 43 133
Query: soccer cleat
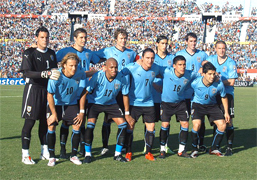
pixel 216 152
pixel 228 152
pixel 104 151
pixel 203 149
pixel 51 162
pixel 87 160
pixel 168 150
pixel 28 160
pixel 45 156
pixel 194 154
pixel 162 154
pixel 63 154
pixel 128 156
pixel 150 157
pixel 75 160
pixel 184 154
pixel 120 158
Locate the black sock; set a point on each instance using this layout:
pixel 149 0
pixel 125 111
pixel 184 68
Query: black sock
pixel 51 138
pixel 149 138
pixel 201 133
pixel 164 135
pixel 217 140
pixel 195 140
pixel 183 135
pixel 129 140
pixel 82 134
pixel 89 136
pixel 121 135
pixel 168 134
pixel 64 132
pixel 230 136
pixel 75 138
pixel 26 133
pixel 42 130
pixel 106 130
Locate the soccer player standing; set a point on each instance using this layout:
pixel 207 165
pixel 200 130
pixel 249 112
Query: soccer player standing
pixel 37 64
pixel 194 58
pixel 123 56
pixel 206 89
pixel 226 68
pixel 63 99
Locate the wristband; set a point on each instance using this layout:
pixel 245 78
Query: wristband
pixel 126 112
pixel 82 111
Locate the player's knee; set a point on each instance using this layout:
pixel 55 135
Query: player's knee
pixel 165 124
pixel 184 124
pixel 221 125
pixel 196 125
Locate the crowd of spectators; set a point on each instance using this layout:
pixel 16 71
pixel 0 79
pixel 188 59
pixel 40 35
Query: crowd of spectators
pixel 225 9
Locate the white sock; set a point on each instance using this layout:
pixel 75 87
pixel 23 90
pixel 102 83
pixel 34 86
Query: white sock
pixel 162 148
pixel 88 154
pixel 45 149
pixel 25 152
pixel 181 148
pixel 117 153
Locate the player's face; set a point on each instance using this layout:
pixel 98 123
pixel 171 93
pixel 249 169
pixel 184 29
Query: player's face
pixel 81 39
pixel 42 40
pixel 70 67
pixel 220 50
pixel 112 69
pixel 180 68
pixel 209 76
pixel 191 43
pixel 162 45
pixel 147 60
pixel 121 41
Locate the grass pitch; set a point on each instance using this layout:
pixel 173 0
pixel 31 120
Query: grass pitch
pixel 242 165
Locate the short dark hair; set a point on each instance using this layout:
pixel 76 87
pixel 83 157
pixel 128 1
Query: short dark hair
pixel 191 34
pixel 208 66
pixel 78 31
pixel 178 58
pixel 159 38
pixel 120 31
pixel 147 50
pixel 41 29
pixel 220 42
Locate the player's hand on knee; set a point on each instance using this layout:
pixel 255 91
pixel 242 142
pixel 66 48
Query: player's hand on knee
pixel 130 120
pixel 78 120
pixel 51 120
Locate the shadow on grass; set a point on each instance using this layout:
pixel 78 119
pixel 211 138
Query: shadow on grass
pixel 7 138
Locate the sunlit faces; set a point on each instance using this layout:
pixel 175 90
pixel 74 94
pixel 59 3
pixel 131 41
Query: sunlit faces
pixel 220 49
pixel 162 45
pixel 121 41
pixel 209 77
pixel 70 67
pixel 191 43
pixel 111 68
pixel 147 60
pixel 180 68
pixel 42 40
pixel 81 40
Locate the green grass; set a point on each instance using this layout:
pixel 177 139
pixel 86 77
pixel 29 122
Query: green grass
pixel 242 165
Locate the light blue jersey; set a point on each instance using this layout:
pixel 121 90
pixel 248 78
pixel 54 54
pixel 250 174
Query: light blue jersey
pixel 123 57
pixel 227 70
pixel 103 91
pixel 173 86
pixel 165 62
pixel 86 56
pixel 193 63
pixel 207 95
pixel 140 93
pixel 67 90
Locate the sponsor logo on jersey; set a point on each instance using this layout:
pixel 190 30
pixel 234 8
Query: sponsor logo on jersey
pixel 52 57
pixel 139 75
pixel 198 59
pixel 214 90
pixel 116 86
pixel 224 69
pixel 153 74
pixel 39 58
pixel 26 55
pixel 29 109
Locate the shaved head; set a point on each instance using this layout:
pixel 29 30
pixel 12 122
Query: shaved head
pixel 111 61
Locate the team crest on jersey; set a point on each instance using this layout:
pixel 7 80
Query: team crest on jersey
pixel 198 59
pixel 87 55
pixel 169 62
pixel 29 109
pixel 234 67
pixel 128 55
pixel 214 90
pixel 116 86
pixel 185 81
pixel 224 69
pixel 153 74
pixel 52 57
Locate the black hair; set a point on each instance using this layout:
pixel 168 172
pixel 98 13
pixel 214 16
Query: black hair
pixel 78 31
pixel 41 29
pixel 191 34
pixel 178 58
pixel 208 66
pixel 147 50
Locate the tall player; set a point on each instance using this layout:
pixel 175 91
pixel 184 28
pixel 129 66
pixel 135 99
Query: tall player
pixel 123 56
pixel 226 68
pixel 86 57
pixel 194 58
pixel 141 100
pixel 204 103
pixel 37 64
pixel 63 104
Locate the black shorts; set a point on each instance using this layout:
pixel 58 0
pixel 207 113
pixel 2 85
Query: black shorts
pixel 230 105
pixel 148 113
pixel 65 113
pixel 34 102
pixel 113 111
pixel 212 111
pixel 157 107
pixel 179 109
pixel 188 104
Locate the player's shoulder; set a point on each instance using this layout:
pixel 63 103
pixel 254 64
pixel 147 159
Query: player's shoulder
pixel 87 50
pixel 211 57
pixel 230 60
pixel 197 80
pixel 50 51
pixel 181 52
pixel 30 50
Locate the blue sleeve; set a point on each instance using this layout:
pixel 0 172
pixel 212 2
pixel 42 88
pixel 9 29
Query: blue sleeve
pixel 125 85
pixel 92 83
pixel 222 90
pixel 126 71
pixel 95 59
pixel 232 71
pixel 60 55
pixel 101 53
pixel 51 86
